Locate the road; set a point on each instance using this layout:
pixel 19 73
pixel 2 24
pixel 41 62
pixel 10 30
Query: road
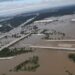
pixel 17 30
pixel 69 40
pixel 6 58
pixel 15 41
pixel 54 48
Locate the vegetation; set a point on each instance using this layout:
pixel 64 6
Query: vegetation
pixel 29 65
pixel 72 56
pixel 16 36
pixel 44 31
pixel 68 72
pixel 6 52
pixel 3 74
pixel 35 27
pixel 14 22
pixel 53 34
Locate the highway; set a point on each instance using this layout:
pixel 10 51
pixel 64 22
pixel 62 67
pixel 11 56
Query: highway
pixel 15 41
pixel 18 29
pixel 29 20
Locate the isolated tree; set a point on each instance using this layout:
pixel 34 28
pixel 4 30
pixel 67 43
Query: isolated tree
pixel 35 27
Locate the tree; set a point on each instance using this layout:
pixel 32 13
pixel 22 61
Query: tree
pixel 35 27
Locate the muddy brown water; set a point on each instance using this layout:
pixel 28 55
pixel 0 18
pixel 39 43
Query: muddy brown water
pixel 51 63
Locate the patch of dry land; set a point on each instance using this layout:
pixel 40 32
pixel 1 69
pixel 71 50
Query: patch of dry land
pixel 51 63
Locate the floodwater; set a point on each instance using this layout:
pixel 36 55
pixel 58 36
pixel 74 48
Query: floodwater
pixel 51 63
pixel 64 24
pixel 31 40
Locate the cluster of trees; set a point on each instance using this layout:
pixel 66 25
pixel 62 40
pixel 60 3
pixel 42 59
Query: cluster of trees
pixel 35 29
pixel 53 34
pixel 28 65
pixel 69 73
pixel 72 56
pixel 16 35
pixel 3 74
pixel 6 52
pixel 44 31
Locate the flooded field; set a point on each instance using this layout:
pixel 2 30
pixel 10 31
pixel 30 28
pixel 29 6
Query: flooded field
pixel 63 24
pixel 51 63
pixel 36 40
pixel 31 40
